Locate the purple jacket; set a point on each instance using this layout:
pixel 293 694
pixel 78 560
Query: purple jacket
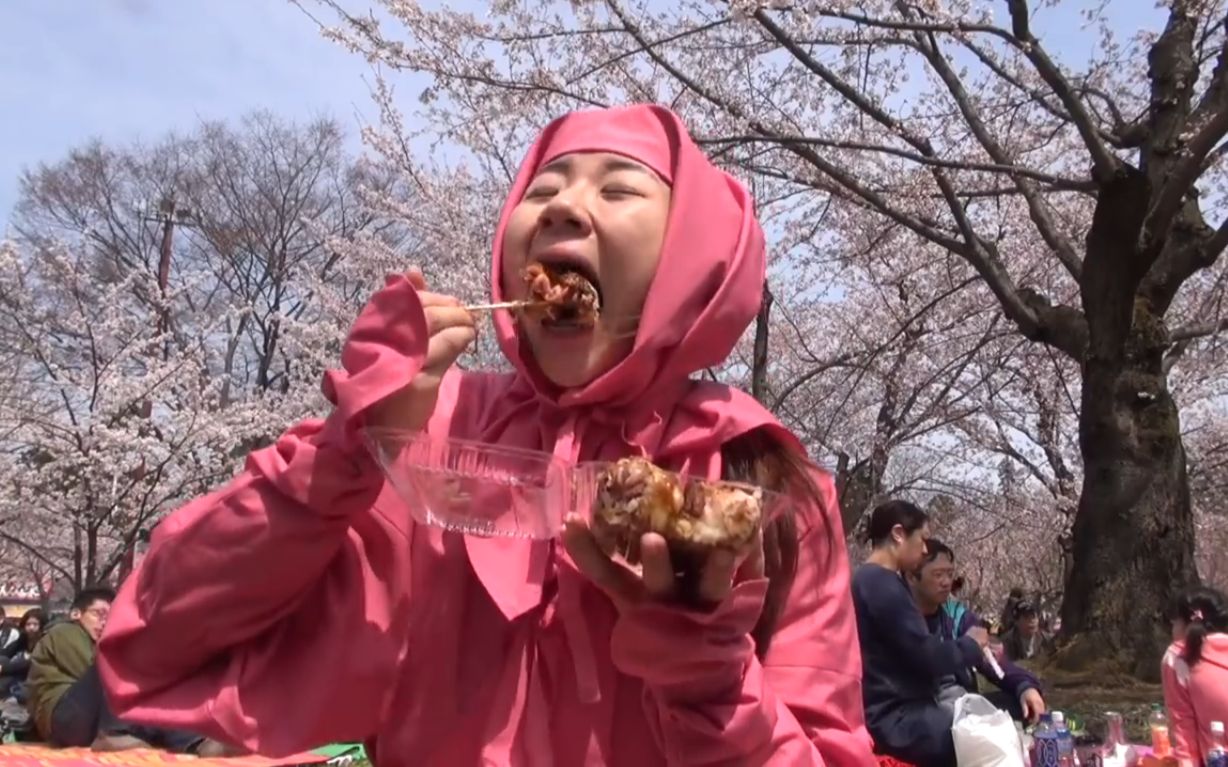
pixel 1015 681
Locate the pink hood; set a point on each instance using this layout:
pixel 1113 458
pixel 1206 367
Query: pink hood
pixel 710 279
pixel 707 289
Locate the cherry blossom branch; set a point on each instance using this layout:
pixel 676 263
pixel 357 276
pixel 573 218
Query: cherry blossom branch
pixel 952 28
pixel 921 159
pixel 37 552
pixel 1104 163
pixel 1032 317
pixel 1038 209
pixel 1124 135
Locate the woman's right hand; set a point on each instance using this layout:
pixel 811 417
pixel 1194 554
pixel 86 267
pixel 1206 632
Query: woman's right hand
pixel 451 330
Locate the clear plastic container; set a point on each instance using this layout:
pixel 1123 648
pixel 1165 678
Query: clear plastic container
pixel 489 490
pixel 472 487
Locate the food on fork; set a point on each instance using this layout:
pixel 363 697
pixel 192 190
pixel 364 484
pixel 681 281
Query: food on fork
pixel 636 497
pixel 562 294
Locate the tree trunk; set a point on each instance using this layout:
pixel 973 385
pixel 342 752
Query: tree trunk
pixel 1133 536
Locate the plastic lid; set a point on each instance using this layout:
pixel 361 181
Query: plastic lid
pixel 1217 727
pixel 1059 717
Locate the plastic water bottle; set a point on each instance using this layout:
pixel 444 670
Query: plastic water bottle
pixel 1161 743
pixel 1065 741
pixel 1044 743
pixel 1217 755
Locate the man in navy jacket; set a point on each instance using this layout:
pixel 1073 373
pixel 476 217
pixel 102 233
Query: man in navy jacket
pixel 948 619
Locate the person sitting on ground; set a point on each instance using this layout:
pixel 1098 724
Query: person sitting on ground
pixel 1018 691
pixel 1007 621
pixel 66 698
pixel 903 665
pixel 1025 639
pixel 1195 671
pixel 15 663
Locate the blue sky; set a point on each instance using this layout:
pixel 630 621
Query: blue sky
pixel 71 70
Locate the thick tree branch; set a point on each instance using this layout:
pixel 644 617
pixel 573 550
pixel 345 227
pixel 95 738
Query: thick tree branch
pixel 1197 330
pixel 1038 209
pixel 1125 134
pixel 1104 163
pixel 1172 74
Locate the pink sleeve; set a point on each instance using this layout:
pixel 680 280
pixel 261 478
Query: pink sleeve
pixel 255 599
pixel 1182 721
pixel 712 702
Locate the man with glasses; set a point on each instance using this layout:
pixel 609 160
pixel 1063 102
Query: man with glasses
pixel 1018 691
pixel 66 698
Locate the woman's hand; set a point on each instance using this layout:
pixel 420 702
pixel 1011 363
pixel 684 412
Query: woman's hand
pixel 658 581
pixel 451 330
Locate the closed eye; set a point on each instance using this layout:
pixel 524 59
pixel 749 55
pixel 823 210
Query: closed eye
pixel 541 193
pixel 620 191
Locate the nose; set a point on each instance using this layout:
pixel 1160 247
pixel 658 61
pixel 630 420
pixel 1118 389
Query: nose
pixel 565 215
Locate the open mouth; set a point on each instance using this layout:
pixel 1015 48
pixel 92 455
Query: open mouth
pixel 565 293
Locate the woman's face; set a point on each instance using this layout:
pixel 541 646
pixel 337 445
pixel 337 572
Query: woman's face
pixel 605 215
pixel 33 626
pixel 910 551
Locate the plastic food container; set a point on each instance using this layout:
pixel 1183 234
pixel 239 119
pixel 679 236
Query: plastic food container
pixel 472 487
pixel 492 491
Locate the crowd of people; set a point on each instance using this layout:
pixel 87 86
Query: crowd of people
pixel 302 604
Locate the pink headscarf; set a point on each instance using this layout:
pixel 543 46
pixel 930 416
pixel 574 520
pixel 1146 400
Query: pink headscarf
pixel 707 290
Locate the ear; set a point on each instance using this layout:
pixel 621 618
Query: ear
pixel 74 614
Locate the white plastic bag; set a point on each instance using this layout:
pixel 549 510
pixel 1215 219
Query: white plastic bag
pixel 985 736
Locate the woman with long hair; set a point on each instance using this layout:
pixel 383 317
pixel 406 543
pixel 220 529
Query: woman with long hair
pixel 1195 671
pixel 436 648
pixel 15 666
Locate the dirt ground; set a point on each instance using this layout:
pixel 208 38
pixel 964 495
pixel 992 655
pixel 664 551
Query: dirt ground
pixel 1088 696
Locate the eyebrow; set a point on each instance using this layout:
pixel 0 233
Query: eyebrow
pixel 610 165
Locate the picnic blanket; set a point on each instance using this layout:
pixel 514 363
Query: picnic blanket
pixel 40 755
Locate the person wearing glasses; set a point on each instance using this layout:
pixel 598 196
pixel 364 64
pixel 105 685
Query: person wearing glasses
pixel 65 694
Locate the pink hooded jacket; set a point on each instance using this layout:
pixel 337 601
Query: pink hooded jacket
pixel 1195 697
pixel 300 604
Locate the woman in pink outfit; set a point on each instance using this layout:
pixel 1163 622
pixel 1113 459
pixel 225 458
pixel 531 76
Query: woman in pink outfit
pixel 300 604
pixel 1195 672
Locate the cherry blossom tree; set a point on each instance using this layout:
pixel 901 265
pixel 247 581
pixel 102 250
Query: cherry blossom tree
pixel 1080 192
pixel 110 432
pixel 146 353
